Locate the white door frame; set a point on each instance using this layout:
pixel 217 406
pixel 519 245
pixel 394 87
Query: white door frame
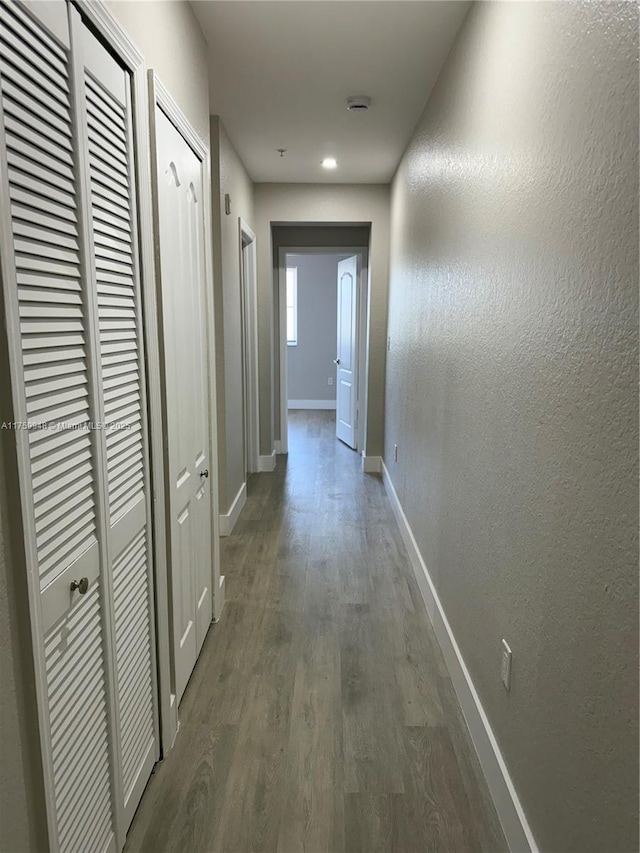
pixel 160 97
pixel 249 320
pixel 363 337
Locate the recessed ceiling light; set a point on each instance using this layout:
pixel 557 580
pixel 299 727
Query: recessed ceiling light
pixel 329 163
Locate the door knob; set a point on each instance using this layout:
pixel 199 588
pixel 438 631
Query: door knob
pixel 204 473
pixel 82 585
pixel 336 361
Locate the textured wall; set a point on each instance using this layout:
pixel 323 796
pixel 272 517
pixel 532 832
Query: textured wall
pixel 229 176
pixel 323 203
pixel 512 393
pixel 169 36
pixel 311 361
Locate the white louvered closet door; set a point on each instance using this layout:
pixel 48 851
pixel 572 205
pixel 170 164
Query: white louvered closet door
pixel 73 314
pixel 106 116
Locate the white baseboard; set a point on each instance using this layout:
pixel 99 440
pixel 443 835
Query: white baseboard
pixel 311 404
pixel 228 520
pixel 508 806
pixel 267 463
pixel 218 601
pixel 371 464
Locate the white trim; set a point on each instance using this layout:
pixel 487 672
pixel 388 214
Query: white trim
pixel 220 597
pixel 277 446
pixel 508 806
pixel 249 290
pixel 371 464
pixel 268 463
pixel 311 404
pixel 228 519
pixel 282 334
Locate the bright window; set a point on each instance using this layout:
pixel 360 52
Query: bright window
pixel 292 306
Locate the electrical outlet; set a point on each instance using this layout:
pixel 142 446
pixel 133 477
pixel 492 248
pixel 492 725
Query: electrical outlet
pixel 395 452
pixel 505 665
pixel 329 380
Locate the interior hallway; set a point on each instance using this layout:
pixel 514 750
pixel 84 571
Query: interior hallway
pixel 320 716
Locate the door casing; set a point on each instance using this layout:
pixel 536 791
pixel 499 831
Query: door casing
pixel 249 321
pixel 159 97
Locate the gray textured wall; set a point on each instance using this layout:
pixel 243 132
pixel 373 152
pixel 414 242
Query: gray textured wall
pixel 512 393
pixel 170 38
pixel 310 363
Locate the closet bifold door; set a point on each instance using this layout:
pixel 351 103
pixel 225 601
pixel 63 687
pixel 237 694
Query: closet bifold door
pixel 105 120
pixel 73 314
pixel 54 390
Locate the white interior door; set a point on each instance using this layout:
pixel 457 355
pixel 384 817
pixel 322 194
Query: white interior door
pixel 347 348
pixel 182 264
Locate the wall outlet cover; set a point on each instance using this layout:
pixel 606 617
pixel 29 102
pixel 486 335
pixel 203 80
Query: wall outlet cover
pixel 505 665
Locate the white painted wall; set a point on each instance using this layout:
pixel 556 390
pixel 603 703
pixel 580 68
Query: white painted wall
pixel 310 363
pixel 512 393
pixel 229 176
pixel 324 203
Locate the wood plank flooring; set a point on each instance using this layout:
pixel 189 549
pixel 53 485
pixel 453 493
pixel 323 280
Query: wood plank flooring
pixel 320 716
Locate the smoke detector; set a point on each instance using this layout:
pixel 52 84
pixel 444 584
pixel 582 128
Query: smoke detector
pixel 359 103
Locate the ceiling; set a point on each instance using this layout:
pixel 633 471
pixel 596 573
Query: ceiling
pixel 280 72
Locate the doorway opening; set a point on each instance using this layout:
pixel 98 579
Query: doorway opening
pixel 322 299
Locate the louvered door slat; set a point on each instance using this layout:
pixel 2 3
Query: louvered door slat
pixel 31 32
pixel 38 175
pixel 49 80
pixel 74 698
pixel 21 89
pixel 110 168
pixel 137 690
pixel 24 153
pixel 24 123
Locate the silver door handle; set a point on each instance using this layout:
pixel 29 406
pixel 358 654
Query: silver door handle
pixel 82 585
pixel 336 361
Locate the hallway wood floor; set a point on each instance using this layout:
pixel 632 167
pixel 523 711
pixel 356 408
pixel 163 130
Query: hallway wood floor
pixel 320 716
